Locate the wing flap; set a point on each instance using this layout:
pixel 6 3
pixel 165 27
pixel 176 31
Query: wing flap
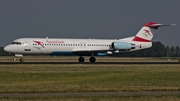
pixel 88 50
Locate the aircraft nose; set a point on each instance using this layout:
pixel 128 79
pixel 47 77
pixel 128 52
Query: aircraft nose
pixel 7 49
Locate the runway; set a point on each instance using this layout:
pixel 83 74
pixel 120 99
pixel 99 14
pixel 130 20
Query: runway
pixel 89 63
pixel 93 94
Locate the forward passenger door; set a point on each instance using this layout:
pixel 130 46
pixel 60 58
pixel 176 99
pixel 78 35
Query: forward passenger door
pixel 27 45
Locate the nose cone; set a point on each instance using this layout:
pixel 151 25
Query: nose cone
pixel 7 48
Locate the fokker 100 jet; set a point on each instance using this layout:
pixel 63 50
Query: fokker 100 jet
pixel 85 47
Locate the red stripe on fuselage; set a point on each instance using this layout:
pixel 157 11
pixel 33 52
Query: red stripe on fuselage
pixel 140 39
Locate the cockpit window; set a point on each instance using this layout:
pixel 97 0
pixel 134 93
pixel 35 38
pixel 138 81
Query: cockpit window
pixel 18 43
pixel 13 43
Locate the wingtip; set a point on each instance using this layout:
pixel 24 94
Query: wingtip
pixel 173 24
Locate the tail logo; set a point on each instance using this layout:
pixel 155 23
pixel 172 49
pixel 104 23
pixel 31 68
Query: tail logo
pixel 39 43
pixel 147 31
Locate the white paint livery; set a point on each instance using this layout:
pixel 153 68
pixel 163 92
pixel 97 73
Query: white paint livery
pixel 84 47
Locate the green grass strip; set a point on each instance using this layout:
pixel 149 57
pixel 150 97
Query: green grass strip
pixel 88 78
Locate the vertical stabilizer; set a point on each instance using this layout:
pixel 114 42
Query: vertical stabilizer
pixel 147 32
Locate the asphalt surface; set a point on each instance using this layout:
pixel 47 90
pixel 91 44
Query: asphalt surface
pixel 89 63
pixel 93 94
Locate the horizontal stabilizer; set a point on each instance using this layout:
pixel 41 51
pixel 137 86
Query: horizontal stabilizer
pixel 147 31
pixel 156 25
pixel 88 50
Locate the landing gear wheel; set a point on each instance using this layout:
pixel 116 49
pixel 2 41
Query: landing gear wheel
pixel 81 59
pixel 21 60
pixel 92 59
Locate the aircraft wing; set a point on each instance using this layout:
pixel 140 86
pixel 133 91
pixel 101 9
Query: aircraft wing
pixel 88 50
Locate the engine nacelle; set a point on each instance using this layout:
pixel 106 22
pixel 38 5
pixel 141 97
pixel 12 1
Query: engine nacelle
pixel 122 46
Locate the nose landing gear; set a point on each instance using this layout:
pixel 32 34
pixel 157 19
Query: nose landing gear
pixel 21 60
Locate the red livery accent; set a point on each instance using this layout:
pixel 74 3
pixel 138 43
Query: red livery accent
pixel 150 24
pixel 147 31
pixel 39 43
pixel 54 42
pixel 136 38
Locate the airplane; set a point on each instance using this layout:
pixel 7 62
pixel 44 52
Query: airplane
pixel 85 47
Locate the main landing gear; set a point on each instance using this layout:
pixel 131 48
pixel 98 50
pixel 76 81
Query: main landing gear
pixel 81 59
pixel 91 59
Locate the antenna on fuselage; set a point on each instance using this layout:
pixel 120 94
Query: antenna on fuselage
pixel 47 37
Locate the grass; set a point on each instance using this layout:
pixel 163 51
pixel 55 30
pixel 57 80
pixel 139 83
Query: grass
pixel 88 78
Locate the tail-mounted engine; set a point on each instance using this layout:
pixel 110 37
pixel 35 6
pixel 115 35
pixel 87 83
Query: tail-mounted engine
pixel 123 46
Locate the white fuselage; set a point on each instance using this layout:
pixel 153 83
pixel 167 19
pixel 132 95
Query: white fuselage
pixel 55 46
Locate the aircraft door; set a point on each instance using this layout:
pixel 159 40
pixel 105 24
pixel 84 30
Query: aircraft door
pixel 83 44
pixel 27 45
